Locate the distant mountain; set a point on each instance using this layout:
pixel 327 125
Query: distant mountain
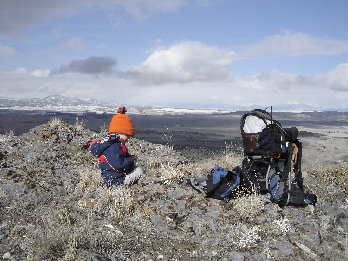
pixel 58 103
pixel 4 102
pixel 279 107
pixel 52 100
pixel 69 104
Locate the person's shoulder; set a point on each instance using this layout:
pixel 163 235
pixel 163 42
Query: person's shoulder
pixel 114 146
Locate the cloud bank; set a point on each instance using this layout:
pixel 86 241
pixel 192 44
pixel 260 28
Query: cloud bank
pixel 267 88
pixel 336 79
pixel 296 44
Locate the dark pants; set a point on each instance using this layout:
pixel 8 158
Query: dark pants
pixel 112 178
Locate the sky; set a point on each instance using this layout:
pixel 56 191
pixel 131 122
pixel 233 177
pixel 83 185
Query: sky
pixel 177 53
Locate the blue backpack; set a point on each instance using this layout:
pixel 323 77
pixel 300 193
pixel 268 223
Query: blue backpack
pixel 219 184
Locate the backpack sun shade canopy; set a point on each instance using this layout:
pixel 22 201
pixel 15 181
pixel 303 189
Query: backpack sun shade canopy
pixel 261 134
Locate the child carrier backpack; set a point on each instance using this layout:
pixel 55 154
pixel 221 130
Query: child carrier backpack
pixel 272 159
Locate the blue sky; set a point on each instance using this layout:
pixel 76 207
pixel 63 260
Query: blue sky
pixel 198 53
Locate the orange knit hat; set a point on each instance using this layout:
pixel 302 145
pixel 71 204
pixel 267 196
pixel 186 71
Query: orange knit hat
pixel 122 123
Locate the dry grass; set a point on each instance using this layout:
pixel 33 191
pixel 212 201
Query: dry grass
pixel 61 233
pixel 89 181
pixel 170 169
pixel 169 173
pixel 283 225
pixel 334 180
pixel 227 160
pixel 79 125
pixel 54 122
pixel 230 158
pixel 115 202
pixel 53 234
pixel 248 206
pixel 10 133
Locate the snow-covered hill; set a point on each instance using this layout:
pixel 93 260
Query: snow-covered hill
pixel 76 105
pixel 61 103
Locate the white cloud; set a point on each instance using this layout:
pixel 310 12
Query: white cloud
pixel 20 70
pixel 40 73
pixel 184 62
pixel 5 50
pixel 296 44
pixel 275 81
pixel 336 79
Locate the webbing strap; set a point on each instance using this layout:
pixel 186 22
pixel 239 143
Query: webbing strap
pixel 296 152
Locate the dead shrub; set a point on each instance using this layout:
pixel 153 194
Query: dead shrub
pixel 115 202
pixel 89 181
pixel 248 206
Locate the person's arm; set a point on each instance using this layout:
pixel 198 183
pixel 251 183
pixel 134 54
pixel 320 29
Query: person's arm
pixel 117 160
pixel 97 147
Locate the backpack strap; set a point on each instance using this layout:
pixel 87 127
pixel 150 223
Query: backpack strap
pixel 296 152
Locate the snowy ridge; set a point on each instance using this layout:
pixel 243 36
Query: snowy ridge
pixel 76 105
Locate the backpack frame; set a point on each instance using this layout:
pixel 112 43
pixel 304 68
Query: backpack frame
pixel 272 162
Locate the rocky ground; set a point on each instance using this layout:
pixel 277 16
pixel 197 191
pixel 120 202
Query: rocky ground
pixel 53 206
